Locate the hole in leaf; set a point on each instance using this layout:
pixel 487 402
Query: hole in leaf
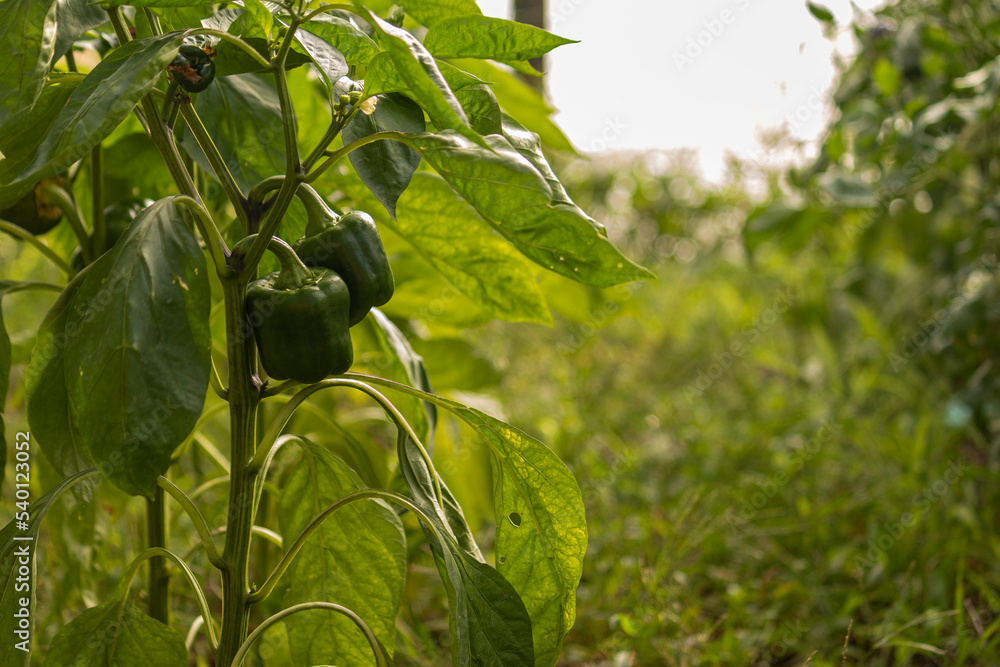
pixel 515 519
pixel 503 559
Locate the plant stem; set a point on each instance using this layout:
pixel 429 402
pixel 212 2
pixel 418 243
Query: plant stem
pixel 28 237
pixel 338 154
pixel 159 581
pixel 244 396
pixel 219 166
pixel 97 197
pixel 70 209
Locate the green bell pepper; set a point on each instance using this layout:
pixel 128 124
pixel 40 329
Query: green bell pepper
pixel 349 245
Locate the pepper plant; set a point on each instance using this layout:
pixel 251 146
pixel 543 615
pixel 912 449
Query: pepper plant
pixel 191 352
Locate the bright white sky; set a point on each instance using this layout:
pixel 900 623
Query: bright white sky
pixel 622 86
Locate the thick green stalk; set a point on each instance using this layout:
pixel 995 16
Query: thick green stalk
pixel 97 198
pixel 244 396
pixel 159 580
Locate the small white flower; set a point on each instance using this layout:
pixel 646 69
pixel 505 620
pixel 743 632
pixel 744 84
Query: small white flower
pixel 368 106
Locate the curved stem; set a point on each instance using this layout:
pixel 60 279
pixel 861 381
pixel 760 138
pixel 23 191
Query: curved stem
pixel 294 272
pixel 341 152
pixel 279 388
pixel 30 238
pixel 270 438
pixel 219 166
pixel 364 494
pixel 72 212
pixel 206 486
pixel 216 380
pixel 305 606
pixel 269 184
pixel 97 198
pixel 233 39
pixel 200 525
pixel 206 225
pixel 198 592
pixel 293 167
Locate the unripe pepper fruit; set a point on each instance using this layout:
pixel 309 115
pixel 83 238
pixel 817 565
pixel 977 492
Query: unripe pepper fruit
pixel 192 69
pixel 349 245
pixel 34 212
pixel 299 318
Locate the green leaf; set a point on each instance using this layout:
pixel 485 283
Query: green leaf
pixel 477 36
pixel 500 629
pixel 848 190
pixel 407 367
pixel 116 632
pixel 383 77
pixel 541 529
pixel 27 42
pixel 887 77
pixel 102 100
pixel 243 116
pixel 17 550
pixel 541 523
pixel 386 166
pixel 46 397
pixel 356 558
pixel 73 18
pixel 331 63
pixel 510 194
pixel 5 362
pixel 430 12
pixel 20 143
pixel 418 70
pixel 820 12
pixel 357 47
pixel 520 101
pixel 231 59
pixel 456 364
pixel 257 20
pixel 449 233
pixel 529 145
pixel 481 107
pixel 137 358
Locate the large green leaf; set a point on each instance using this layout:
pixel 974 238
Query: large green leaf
pixel 408 368
pixel 73 18
pixel 243 116
pixel 418 69
pixel 477 36
pixel 331 63
pixel 137 357
pixel 17 576
pixel 519 100
pixel 449 233
pixel 383 77
pixel 430 12
pixel 510 194
pixel 356 46
pixel 46 397
pixel 116 632
pixel 231 59
pixel 104 98
pixel 356 558
pixel 386 166
pixel 481 106
pixel 27 44
pixel 20 142
pixel 541 523
pixel 541 529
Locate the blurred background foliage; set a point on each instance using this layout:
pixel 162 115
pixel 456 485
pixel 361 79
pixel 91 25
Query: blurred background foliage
pixel 788 444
